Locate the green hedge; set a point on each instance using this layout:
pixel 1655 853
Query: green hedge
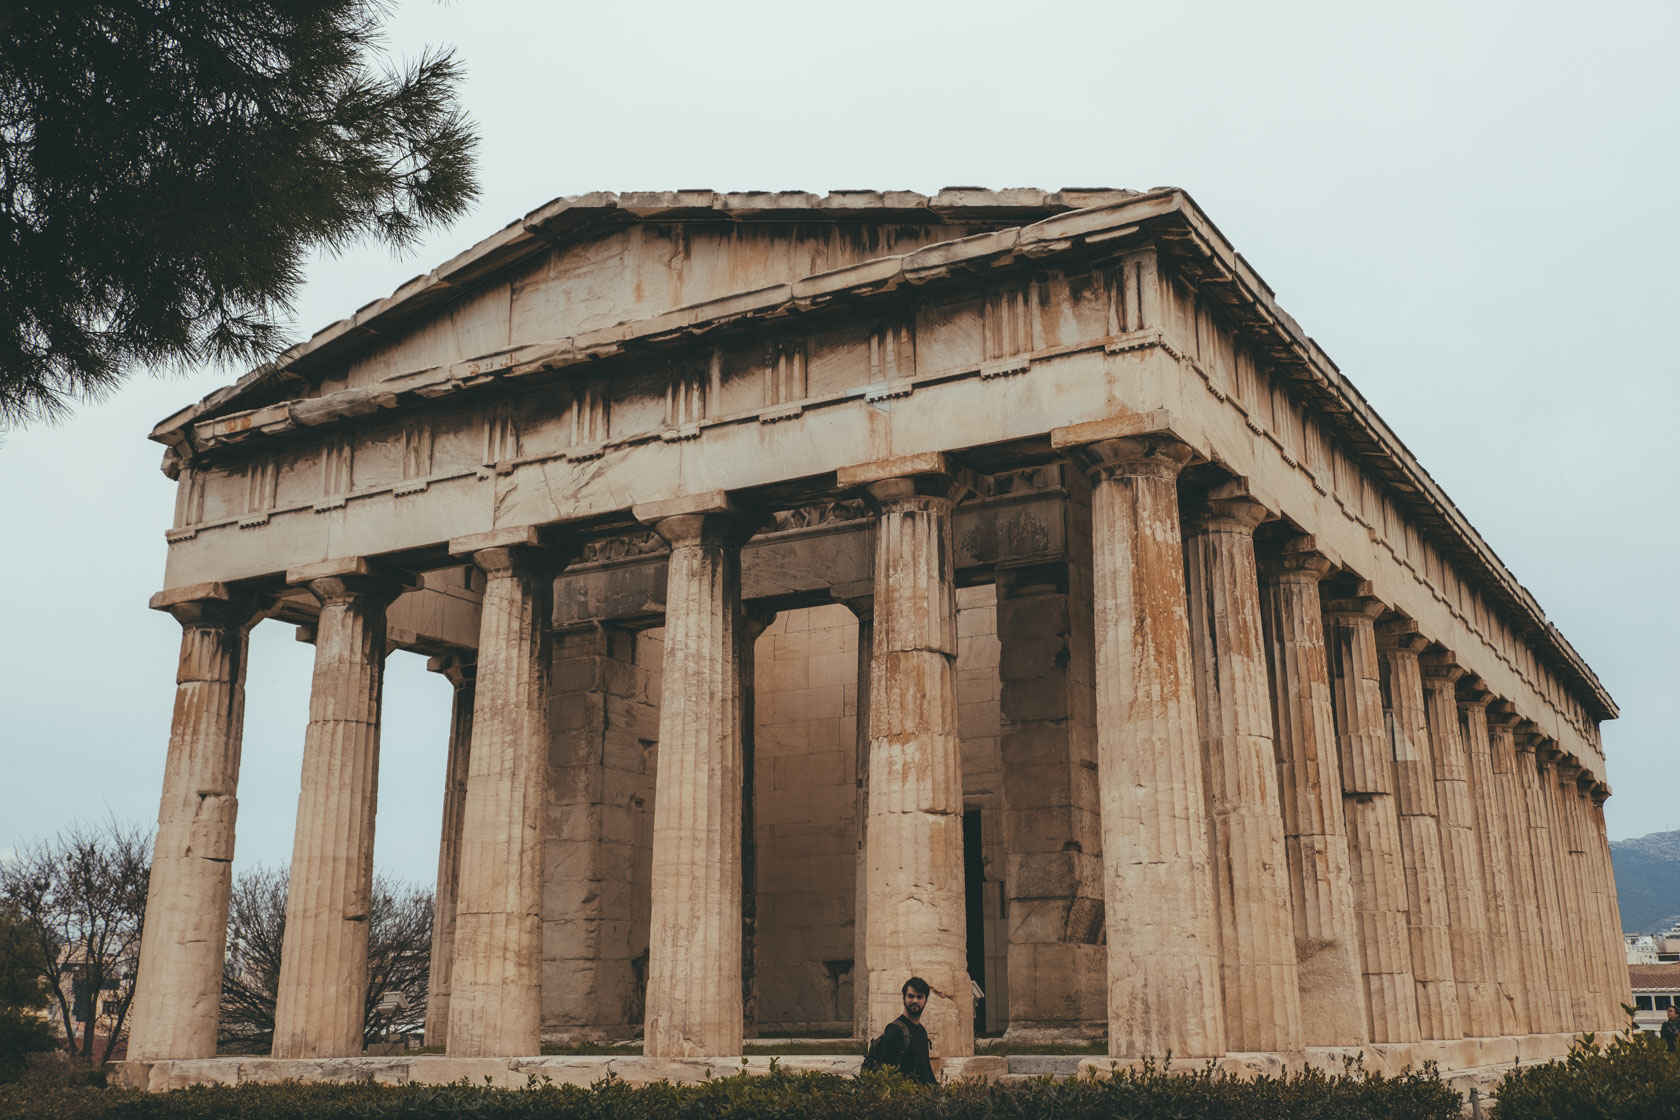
pixel 1147 1094
pixel 1633 1078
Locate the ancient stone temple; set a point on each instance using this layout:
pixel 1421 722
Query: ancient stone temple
pixel 994 586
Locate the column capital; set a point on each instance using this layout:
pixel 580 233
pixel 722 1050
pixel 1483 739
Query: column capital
pixel 709 517
pixel 214 605
pixel 1226 507
pixel 352 577
pixel 1440 668
pixel 1298 560
pixel 1473 692
pixel 928 475
pixel 518 548
pixel 1359 603
pixel 1160 455
pixel 1398 633
pixel 458 668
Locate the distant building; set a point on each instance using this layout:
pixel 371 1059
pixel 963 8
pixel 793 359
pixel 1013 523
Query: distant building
pixel 1656 988
pixel 1653 948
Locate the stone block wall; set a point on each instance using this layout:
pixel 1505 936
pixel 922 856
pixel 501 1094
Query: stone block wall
pixel 604 719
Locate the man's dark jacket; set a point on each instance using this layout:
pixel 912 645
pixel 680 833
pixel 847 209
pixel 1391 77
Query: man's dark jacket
pixel 904 1046
pixel 1671 1032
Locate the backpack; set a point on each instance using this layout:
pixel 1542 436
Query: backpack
pixel 872 1058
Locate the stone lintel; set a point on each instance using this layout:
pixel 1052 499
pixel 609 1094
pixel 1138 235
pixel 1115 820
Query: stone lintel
pixel 858 597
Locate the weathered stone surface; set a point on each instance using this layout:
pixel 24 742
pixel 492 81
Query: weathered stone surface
pixel 1488 827
pixel 1333 1001
pixel 915 909
pixel 602 362
pixel 178 990
pixel 1531 934
pixel 323 964
pixel 1369 808
pixel 1163 927
pixel 1558 937
pixel 1052 828
pixel 495 1003
pixel 694 1002
pixel 1429 921
pixel 1233 695
pixel 461 673
pixel 1461 863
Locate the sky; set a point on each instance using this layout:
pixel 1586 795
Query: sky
pixel 1470 206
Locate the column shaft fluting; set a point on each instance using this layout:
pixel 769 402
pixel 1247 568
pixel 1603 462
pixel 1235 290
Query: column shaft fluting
pixel 1553 782
pixel 1593 982
pixel 459 672
pixel 178 990
pixel 694 1004
pixel 917 922
pixel 1369 809
pixel 321 1001
pixel 1420 839
pixel 495 1002
pixel 1309 780
pixel 1537 804
pixel 1620 992
pixel 1604 1019
pixel 1488 823
pixel 1461 859
pixel 1239 768
pixel 1163 931
pixel 1531 949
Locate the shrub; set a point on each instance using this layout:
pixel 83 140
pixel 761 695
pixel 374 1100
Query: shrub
pixel 21 1034
pixel 1131 1095
pixel 1633 1078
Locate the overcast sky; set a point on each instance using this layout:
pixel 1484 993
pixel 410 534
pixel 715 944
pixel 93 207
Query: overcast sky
pixel 1470 206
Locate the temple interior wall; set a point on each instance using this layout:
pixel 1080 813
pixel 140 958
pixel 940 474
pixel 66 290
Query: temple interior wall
pixel 603 764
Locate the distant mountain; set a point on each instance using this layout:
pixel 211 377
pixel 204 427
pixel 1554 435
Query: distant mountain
pixel 1648 881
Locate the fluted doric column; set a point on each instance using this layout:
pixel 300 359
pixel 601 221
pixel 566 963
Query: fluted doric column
pixel 1428 912
pixel 694 1004
pixel 1488 824
pixel 178 990
pixel 1461 860
pixel 1233 697
pixel 1592 898
pixel 1537 809
pixel 1587 985
pixel 495 1001
pixel 1320 877
pixel 320 1004
pixel 1530 949
pixel 915 909
pixel 1369 809
pixel 1554 780
pixel 1163 927
pixel 753 624
pixel 1614 947
pixel 460 672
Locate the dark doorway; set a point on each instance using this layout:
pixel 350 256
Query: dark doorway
pixel 974 894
